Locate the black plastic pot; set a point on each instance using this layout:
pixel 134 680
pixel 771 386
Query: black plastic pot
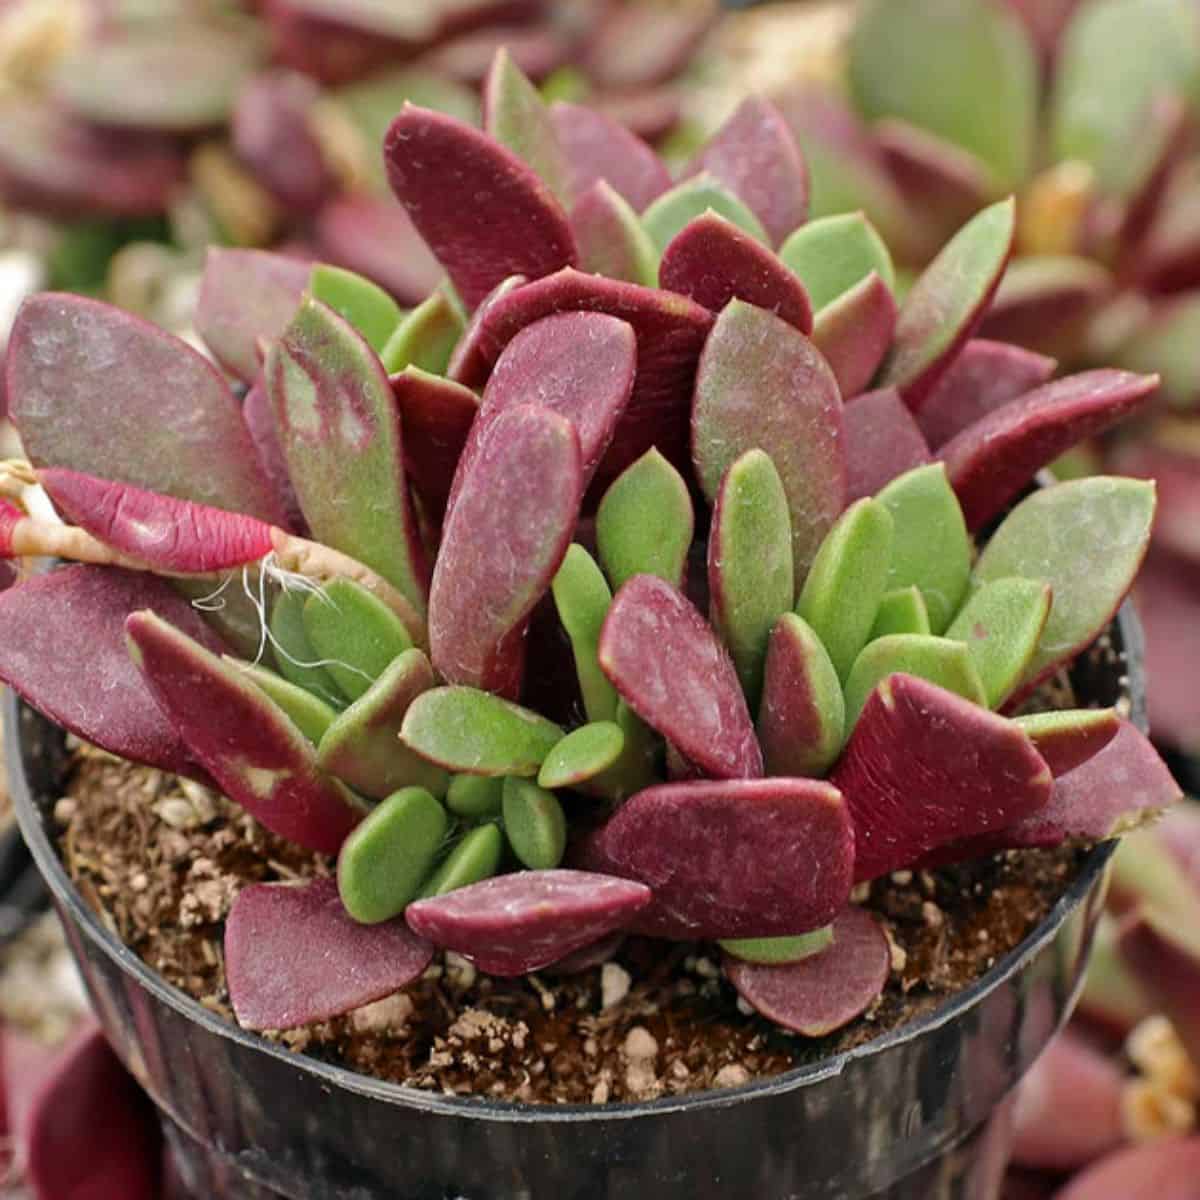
pixel 918 1114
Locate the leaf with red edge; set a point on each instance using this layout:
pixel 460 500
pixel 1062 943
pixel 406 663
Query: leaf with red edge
pixel 701 847
pixel 469 363
pixel 666 662
pixel 514 924
pixel 762 385
pixel 45 640
pixel 96 390
pixel 597 147
pixel 260 424
pixel 670 332
pixel 712 261
pixel 948 301
pixel 989 462
pixel 515 508
pixel 854 333
pixel 979 773
pixel 882 442
pixel 293 955
pixel 1168 602
pixel 635 47
pixel 1159 1170
pixel 1067 738
pixel 612 241
pixel 821 993
pixel 755 155
pixel 503 219
pixel 985 376
pixel 258 757
pixel 167 534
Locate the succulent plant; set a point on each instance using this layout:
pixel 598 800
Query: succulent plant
pixel 566 603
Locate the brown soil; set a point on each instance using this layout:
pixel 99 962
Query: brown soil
pixel 160 861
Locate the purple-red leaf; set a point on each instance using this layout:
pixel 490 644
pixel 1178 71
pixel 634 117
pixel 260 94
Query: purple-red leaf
pixel 703 848
pixel 522 922
pixel 515 507
pixel 611 239
pixel 989 462
pixel 882 442
pixel 665 660
pixel 54 622
pixel 293 955
pixel 635 47
pixel 260 424
pixel 854 333
pixel 756 157
pixel 1161 1170
pixel 482 211
pixel 1168 601
pixel 821 993
pixel 979 773
pixel 711 260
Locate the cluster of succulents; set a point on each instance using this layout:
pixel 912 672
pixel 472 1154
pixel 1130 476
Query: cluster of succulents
pixel 613 588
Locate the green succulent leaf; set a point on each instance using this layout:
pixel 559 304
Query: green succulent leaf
pixel 902 610
pixel 295 655
pixel 425 337
pixel 535 824
pixel 667 215
pixel 582 596
pixel 1067 738
pixel 582 755
pixel 310 714
pixel 364 304
pixel 777 950
pixel 833 254
pixel 475 797
pixel 475 858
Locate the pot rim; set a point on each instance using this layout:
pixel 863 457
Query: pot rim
pixel 72 904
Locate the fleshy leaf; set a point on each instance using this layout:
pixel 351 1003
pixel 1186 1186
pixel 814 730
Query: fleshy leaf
pixel 931 547
pixel 293 955
pixel 635 48
pixel 1144 1172
pixel 802 718
pixel 246 295
pixel 361 746
pixel 1086 539
pixel 534 823
pixel 750 577
pixel 645 522
pixel 985 376
pixel 294 653
pixel 310 714
pixel 1067 738
pixel 336 418
pixel 847 580
pixel 365 305
pixel 712 261
pixel 260 424
pixel 169 421
pixel 582 755
pixel 475 733
pixel 582 598
pixel 762 385
pixel 425 337
pixel 822 993
pixel 854 333
pixel 700 847
pixel 503 221
pixel 882 442
pixel 667 215
pixel 475 797
pixel 498 559
pixel 1001 624
pixel 979 773
pixel 834 254
pixel 476 857
pixel 754 154
pixel 780 950
pixel 948 301
pixel 522 922
pixel 387 858
pixel 990 461
pixel 611 240
pixel 1169 607
pixel 597 147
pixel 76 614
pixel 940 660
pixel 902 610
pixel 665 661
pixel 258 757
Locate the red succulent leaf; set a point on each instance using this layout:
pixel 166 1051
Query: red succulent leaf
pixel 882 442
pixel 469 361
pixel 854 333
pixel 1159 1170
pixel 650 113
pixel 537 50
pixel 293 955
pixel 1168 601
pixel 260 424
pixel 629 51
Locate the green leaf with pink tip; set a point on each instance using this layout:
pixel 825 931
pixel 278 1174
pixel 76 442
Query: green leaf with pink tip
pixel 667 664
pixel 362 747
pixel 310 714
pixel 930 547
pixel 645 522
pixel 979 774
pixel 832 255
pixel 515 114
pixel 692 198
pixel 762 384
pixel 1067 738
pixel 854 333
pixel 750 577
pixel 425 337
pixel 246 296
pixel 802 717
pixel 964 70
pixel 948 301
pixel 508 528
pixel 902 610
pixel 1086 539
pixel 363 304
pixel 503 221
pixel 247 744
pixel 582 598
pixel 612 241
pixel 337 424
pixel 475 733
pixel 883 442
pixel 847 580
pixel 170 423
pixel 1001 625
